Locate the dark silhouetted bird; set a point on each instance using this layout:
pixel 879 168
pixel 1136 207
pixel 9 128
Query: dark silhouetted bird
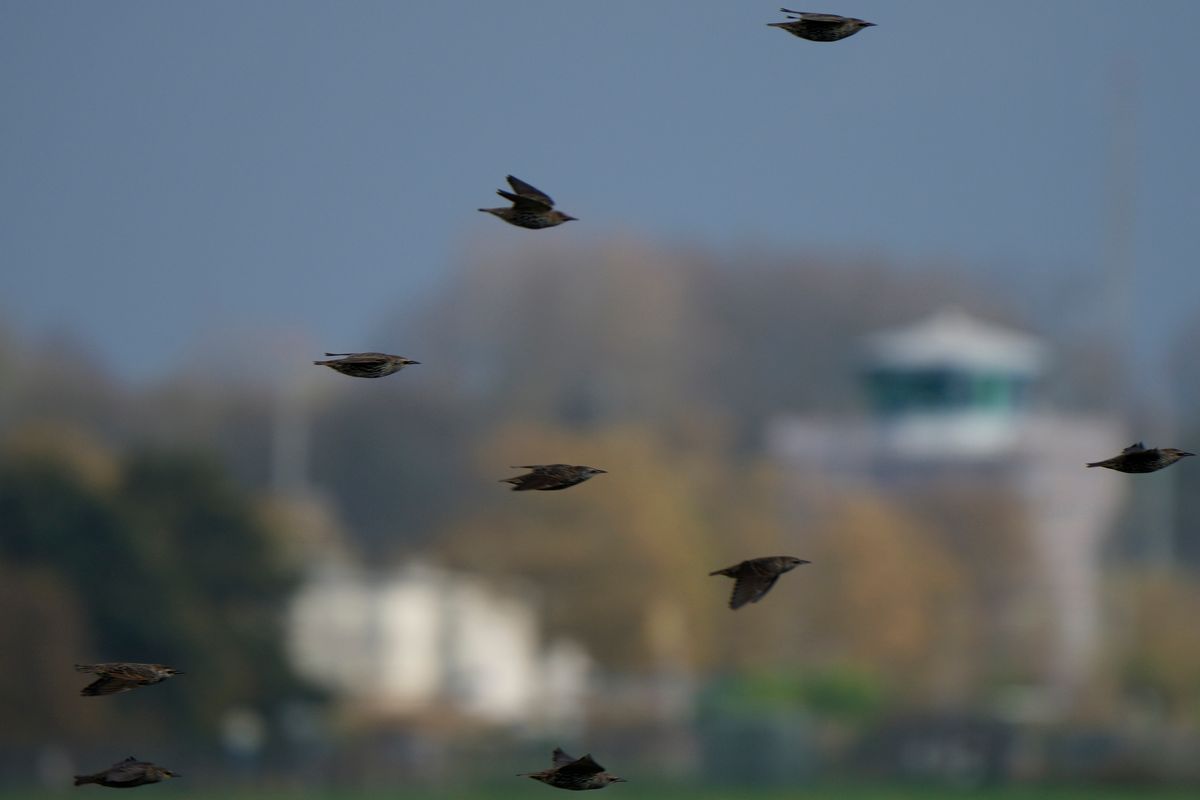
pixel 122 676
pixel 531 208
pixel 820 27
pixel 1139 458
pixel 127 774
pixel 366 365
pixel 576 774
pixel 755 577
pixel 551 477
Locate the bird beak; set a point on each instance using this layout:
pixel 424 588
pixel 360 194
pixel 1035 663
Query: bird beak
pixel 412 362
pixel 1186 454
pixel 606 471
pixel 178 672
pixel 569 218
pixel 174 775
pixel 868 24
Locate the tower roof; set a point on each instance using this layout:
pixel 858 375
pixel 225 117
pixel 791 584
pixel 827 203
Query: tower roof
pixel 950 338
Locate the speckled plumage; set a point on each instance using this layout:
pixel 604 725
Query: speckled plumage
pixel 573 774
pixel 1137 458
pixel 366 365
pixel 531 208
pixel 551 477
pixel 122 676
pixel 127 774
pixel 755 577
pixel 820 27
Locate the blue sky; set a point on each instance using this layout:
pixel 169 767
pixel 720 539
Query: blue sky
pixel 172 169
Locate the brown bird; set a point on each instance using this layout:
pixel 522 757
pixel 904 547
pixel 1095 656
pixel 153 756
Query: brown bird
pixel 1139 458
pixel 820 27
pixel 575 774
pixel 551 477
pixel 127 774
pixel 366 365
pixel 531 208
pixel 755 577
pixel 122 676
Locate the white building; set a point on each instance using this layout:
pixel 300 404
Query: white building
pixel 422 639
pixel 950 399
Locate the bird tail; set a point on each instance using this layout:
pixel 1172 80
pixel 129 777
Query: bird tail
pixel 80 780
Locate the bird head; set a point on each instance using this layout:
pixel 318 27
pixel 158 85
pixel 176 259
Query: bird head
pixel 1176 454
pixel 166 773
pixel 862 23
pixel 590 471
pixel 172 671
pixel 608 778
pixel 793 562
pixel 561 217
pixel 407 362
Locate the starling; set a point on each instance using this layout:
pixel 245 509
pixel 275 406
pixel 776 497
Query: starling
pixel 121 677
pixel 755 577
pixel 551 477
pixel 366 365
pixel 127 774
pixel 576 774
pixel 820 27
pixel 531 208
pixel 1139 458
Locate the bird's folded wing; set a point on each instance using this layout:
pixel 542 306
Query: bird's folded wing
pixel 1136 447
pixel 561 758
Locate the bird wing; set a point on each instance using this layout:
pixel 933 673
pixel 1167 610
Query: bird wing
pixel 131 672
pixel 750 588
pixel 536 480
pixel 127 771
pixel 529 192
pixel 561 758
pixel 1136 447
pixel 819 19
pixel 524 202
pixel 581 766
pixel 107 684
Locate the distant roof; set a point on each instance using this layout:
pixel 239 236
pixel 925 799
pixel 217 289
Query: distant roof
pixel 952 338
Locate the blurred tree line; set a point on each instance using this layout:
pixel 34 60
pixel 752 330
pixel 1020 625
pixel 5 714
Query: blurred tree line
pixel 147 555
pixel 660 365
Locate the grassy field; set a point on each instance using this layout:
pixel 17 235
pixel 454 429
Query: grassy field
pixel 840 792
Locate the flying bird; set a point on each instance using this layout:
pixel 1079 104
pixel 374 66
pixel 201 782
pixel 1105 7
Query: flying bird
pixel 366 365
pixel 127 774
pixel 1139 458
pixel 531 208
pixel 575 774
pixel 755 577
pixel 551 477
pixel 123 676
pixel 820 27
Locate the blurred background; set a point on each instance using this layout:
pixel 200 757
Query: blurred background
pixel 873 304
